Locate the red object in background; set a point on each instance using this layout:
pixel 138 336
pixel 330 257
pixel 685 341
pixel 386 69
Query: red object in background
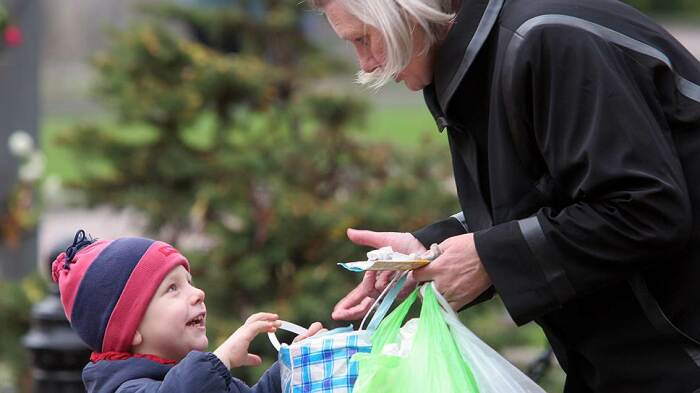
pixel 13 36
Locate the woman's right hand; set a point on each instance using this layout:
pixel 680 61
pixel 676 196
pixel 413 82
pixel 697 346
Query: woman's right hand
pixel 355 304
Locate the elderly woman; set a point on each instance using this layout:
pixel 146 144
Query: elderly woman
pixel 574 128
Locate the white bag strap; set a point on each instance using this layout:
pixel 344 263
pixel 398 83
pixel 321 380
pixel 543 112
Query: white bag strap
pixel 287 326
pixel 441 300
pixel 385 300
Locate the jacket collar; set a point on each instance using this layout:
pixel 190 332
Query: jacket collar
pixel 108 376
pixel 473 23
pixel 98 356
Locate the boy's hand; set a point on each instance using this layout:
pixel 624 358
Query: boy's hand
pixel 234 351
pixel 314 329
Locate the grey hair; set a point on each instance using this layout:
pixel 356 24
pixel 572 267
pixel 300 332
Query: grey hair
pixel 395 20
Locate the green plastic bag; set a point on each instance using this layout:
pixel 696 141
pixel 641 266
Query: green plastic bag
pixel 433 363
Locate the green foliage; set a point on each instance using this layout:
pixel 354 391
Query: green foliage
pixel 233 154
pixel 16 300
pixel 676 7
pixel 4 17
pixel 238 149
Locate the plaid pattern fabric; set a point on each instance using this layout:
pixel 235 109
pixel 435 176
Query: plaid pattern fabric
pixel 322 364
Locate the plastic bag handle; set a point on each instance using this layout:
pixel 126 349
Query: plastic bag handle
pixel 385 300
pixel 441 300
pixel 287 326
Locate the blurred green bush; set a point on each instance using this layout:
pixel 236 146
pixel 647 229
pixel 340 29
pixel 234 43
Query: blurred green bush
pixel 243 153
pixel 234 151
pixel 16 300
pixel 672 7
pixel 3 18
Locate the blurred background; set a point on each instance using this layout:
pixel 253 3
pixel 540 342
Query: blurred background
pixel 233 130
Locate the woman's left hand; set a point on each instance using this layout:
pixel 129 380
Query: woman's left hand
pixel 458 273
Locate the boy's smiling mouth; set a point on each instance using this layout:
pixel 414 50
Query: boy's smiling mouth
pixel 198 321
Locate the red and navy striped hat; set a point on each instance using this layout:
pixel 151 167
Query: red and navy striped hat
pixel 107 285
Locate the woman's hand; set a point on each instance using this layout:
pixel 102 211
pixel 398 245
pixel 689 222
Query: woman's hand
pixel 234 351
pixel 356 303
pixel 458 272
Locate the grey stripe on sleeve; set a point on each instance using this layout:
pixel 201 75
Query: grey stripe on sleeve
pixel 686 87
pixel 463 221
pixel 553 272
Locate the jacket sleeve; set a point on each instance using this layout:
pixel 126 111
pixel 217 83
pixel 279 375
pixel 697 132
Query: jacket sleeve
pixel 197 372
pixel 441 230
pixel 270 382
pixel 625 202
pixel 203 372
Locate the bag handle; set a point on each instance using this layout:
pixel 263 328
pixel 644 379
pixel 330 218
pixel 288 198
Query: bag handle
pixel 392 292
pixel 385 300
pixel 390 326
pixel 441 300
pixel 286 326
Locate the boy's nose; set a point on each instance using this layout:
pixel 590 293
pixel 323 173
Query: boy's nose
pixel 197 296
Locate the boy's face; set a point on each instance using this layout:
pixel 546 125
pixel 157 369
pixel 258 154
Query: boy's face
pixel 175 321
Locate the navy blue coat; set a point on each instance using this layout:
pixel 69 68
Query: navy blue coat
pixel 197 372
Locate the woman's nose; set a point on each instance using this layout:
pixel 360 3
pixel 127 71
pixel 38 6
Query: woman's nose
pixel 368 63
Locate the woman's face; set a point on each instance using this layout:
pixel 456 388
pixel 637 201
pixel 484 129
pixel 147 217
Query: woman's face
pixel 369 47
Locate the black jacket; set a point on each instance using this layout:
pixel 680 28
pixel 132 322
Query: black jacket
pixel 574 128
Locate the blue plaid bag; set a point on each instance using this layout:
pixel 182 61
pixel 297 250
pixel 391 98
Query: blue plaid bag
pixel 322 363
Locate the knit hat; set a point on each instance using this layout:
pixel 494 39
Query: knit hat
pixel 107 285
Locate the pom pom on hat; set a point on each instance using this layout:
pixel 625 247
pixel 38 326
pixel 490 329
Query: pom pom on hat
pixel 56 266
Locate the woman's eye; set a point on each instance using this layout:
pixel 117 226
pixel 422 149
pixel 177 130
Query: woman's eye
pixel 360 40
pixel 172 288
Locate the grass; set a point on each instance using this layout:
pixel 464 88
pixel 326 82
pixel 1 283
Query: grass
pixel 405 125
pixel 58 161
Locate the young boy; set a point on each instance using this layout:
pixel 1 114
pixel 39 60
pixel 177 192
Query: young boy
pixel 133 303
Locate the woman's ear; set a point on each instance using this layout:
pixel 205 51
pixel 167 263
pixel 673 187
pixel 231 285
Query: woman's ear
pixel 138 339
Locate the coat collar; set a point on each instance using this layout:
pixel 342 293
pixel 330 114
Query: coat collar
pixel 98 356
pixel 473 23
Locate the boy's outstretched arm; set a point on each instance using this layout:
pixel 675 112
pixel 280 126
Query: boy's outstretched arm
pixel 208 372
pixel 198 372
